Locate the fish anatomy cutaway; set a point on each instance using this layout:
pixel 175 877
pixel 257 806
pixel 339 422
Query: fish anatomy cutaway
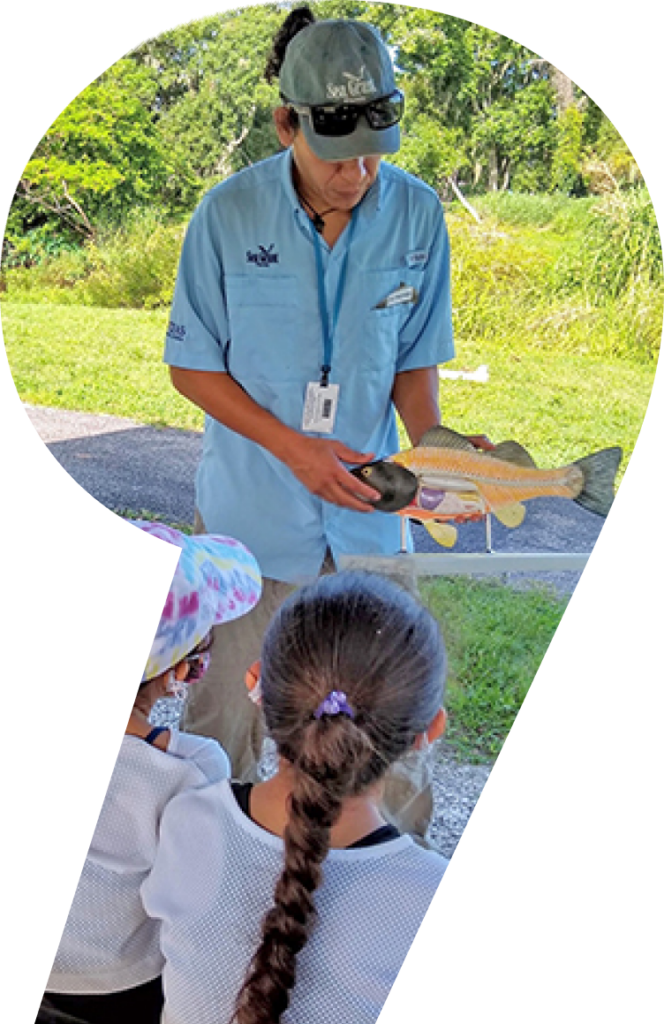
pixel 445 480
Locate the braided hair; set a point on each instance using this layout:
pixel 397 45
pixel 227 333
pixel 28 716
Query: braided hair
pixel 363 635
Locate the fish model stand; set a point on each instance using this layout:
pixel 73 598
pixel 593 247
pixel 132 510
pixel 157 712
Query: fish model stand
pixel 446 480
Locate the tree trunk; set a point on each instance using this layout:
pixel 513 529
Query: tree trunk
pixel 562 85
pixel 563 88
pixel 506 174
pixel 462 199
pixel 493 170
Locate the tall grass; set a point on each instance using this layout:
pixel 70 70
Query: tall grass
pixel 549 272
pixel 621 250
pixel 557 212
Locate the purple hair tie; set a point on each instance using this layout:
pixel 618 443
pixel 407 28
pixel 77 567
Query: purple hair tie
pixel 334 704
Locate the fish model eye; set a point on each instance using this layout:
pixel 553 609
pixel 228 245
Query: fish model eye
pixel 366 471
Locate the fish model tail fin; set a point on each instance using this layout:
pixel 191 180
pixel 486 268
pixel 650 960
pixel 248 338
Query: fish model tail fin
pixel 599 473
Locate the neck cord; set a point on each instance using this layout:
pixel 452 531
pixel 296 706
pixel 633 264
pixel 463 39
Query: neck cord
pixel 317 219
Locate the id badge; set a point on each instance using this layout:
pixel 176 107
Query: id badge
pixel 320 408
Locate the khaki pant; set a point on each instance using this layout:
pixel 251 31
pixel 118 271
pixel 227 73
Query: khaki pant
pixel 218 706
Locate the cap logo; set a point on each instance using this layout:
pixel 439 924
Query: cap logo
pixel 354 86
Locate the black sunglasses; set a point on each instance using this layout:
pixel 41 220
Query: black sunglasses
pixel 341 119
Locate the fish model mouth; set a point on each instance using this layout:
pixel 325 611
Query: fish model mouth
pixel 396 485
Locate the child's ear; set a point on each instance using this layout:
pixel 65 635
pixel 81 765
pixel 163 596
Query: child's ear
pixel 437 727
pixel 252 680
pixel 435 730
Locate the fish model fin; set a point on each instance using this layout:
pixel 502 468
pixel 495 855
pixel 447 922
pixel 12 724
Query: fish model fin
pixel 510 515
pixel 599 472
pixel 506 451
pixel 512 451
pixel 443 437
pixel 442 533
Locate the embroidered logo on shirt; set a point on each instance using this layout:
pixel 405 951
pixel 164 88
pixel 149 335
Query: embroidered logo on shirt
pixel 417 258
pixel 177 331
pixel 354 86
pixel 264 257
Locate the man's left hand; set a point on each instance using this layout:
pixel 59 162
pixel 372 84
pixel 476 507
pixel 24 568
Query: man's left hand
pixel 481 441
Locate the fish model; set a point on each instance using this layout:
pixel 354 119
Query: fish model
pixel 445 479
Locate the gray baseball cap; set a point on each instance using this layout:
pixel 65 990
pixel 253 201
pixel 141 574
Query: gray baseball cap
pixel 330 63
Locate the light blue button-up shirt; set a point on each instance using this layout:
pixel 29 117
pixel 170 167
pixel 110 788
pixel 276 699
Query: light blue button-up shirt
pixel 247 303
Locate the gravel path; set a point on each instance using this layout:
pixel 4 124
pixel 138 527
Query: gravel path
pixel 126 465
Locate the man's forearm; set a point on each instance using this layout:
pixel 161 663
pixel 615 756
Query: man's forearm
pixel 315 462
pixel 415 396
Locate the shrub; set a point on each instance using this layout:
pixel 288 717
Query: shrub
pixel 135 266
pixel 52 279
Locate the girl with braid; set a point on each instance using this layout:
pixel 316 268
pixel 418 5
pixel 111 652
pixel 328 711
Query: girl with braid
pixel 292 899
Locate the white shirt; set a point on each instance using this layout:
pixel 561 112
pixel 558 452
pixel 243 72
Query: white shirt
pixel 109 942
pixel 213 880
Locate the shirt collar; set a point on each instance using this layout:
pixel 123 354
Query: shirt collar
pixel 287 178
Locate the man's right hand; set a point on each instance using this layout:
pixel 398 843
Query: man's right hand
pixel 317 462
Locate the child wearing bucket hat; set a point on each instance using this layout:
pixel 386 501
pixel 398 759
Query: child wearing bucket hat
pixel 108 965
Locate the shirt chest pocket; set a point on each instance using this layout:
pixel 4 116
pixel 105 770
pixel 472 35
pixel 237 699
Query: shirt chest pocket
pixel 267 322
pixel 391 297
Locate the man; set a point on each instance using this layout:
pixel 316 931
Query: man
pixel 313 298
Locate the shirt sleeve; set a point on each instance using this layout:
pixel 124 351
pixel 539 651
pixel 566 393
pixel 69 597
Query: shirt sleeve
pixel 205 753
pixel 426 338
pixel 197 335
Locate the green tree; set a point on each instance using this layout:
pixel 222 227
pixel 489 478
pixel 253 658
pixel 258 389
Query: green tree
pixel 186 109
pixel 430 151
pixel 567 159
pixel 213 110
pixel 100 158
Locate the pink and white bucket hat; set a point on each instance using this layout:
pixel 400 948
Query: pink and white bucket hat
pixel 216 580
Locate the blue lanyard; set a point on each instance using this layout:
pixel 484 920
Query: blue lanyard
pixel 329 329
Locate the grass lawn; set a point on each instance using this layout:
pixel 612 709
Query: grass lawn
pixel 94 360
pixel 496 638
pixel 560 405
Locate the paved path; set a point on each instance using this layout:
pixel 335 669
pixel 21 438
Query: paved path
pixel 126 465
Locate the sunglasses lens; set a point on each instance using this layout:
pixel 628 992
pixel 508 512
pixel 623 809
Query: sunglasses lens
pixel 334 122
pixel 386 112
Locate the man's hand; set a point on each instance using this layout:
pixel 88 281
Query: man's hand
pixel 481 441
pixel 317 463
